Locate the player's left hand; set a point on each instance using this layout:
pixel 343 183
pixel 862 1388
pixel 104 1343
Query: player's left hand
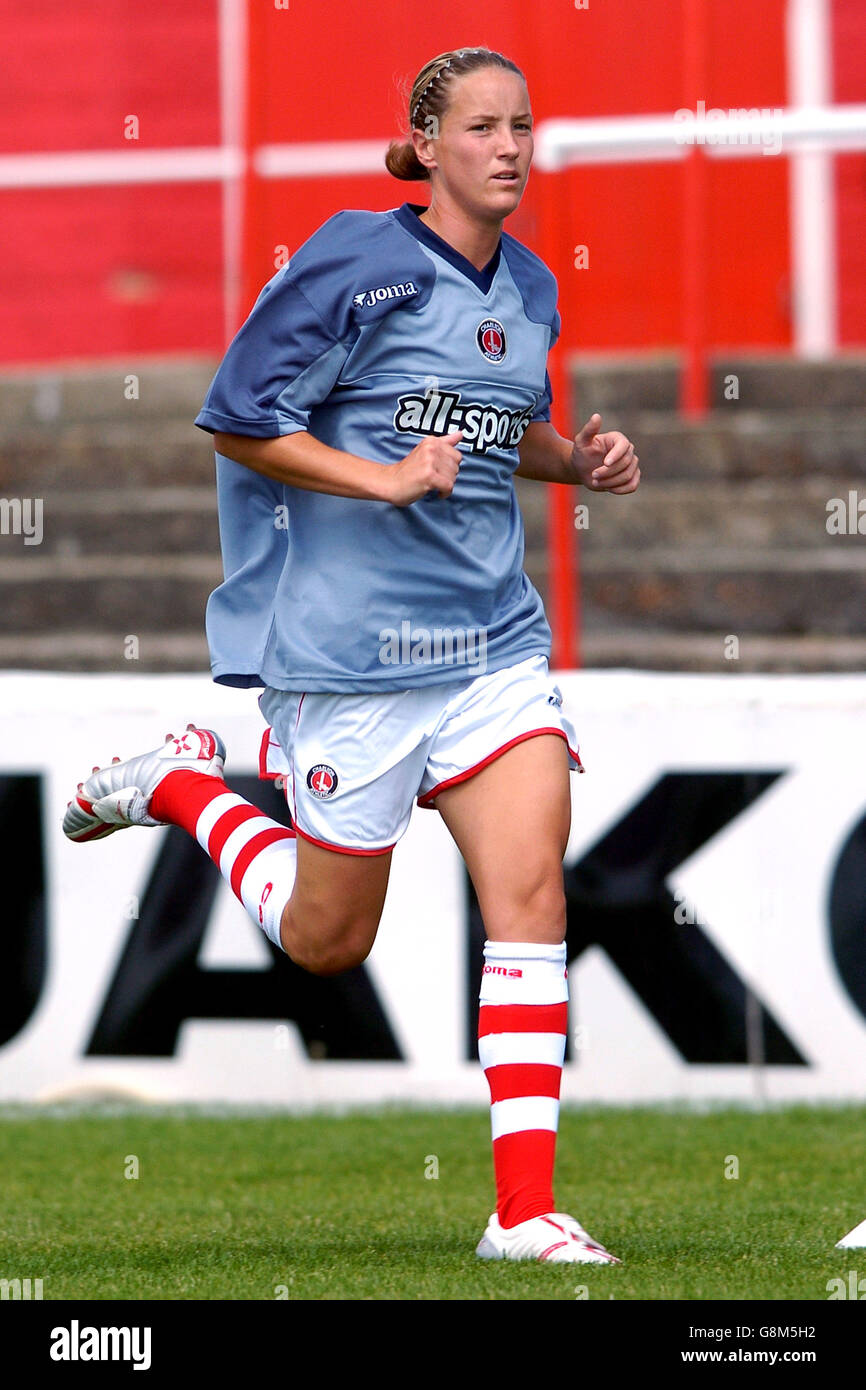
pixel 605 462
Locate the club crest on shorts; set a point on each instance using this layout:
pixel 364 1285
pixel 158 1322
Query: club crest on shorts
pixel 490 337
pixel 322 781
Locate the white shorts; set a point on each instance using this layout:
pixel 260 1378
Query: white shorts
pixel 354 764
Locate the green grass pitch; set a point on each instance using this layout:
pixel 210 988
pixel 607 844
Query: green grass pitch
pixel 337 1206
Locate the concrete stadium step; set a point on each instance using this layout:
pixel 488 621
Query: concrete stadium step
pixel 82 649
pixel 647 649
pixel 608 382
pixel 85 651
pixel 613 382
pixel 99 454
pixel 780 593
pixel 748 444
pixel 120 594
pixel 745 446
pixel 703 516
pixel 100 392
pixel 128 521
pixel 746 600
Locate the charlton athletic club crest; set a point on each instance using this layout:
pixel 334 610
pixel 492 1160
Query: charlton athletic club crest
pixel 490 338
pixel 322 781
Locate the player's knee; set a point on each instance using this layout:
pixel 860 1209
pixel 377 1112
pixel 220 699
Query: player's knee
pixel 536 909
pixel 328 951
pixel 329 960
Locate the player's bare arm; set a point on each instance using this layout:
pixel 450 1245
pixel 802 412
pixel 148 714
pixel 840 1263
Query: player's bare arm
pixel 602 460
pixel 301 460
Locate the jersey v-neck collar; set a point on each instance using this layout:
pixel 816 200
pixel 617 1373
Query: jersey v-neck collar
pixel 409 216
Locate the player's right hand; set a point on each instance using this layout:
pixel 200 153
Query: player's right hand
pixel 432 466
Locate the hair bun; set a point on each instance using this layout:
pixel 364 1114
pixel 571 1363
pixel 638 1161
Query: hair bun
pixel 402 161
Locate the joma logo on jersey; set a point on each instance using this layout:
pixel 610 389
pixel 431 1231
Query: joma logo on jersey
pixel 367 298
pixel 440 412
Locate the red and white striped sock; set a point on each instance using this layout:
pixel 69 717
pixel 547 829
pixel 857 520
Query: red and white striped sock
pixel 522 1026
pixel 256 856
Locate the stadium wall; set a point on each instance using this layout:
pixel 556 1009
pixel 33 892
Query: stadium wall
pixel 101 271
pixel 714 878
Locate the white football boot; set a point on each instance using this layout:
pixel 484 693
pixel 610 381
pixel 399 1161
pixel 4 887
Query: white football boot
pixel 555 1237
pixel 117 796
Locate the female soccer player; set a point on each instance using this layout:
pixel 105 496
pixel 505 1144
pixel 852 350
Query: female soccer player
pixel 368 420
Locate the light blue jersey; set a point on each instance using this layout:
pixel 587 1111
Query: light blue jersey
pixel 376 334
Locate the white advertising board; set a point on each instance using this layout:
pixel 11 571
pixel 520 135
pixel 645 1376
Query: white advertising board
pixel 716 876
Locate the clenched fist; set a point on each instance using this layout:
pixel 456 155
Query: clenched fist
pixel 432 466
